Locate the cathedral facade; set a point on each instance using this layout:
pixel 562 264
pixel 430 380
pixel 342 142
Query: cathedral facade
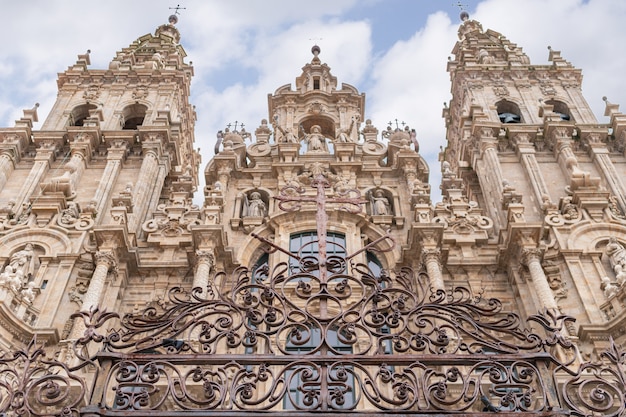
pixel 319 274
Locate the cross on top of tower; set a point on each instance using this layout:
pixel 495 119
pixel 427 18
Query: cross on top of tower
pixel 464 14
pixel 177 8
pixel 460 5
pixel 173 19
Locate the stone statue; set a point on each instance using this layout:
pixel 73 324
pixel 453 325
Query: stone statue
pixel 255 206
pixel 6 276
pixel 24 261
pixel 16 279
pixel 315 141
pixel 617 257
pixel 287 135
pixel 380 204
pixel 446 170
pixel 608 287
pixel 344 135
pixel 28 293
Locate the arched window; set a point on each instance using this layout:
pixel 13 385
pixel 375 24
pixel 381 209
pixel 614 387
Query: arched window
pixel 508 112
pixel 80 113
pixel 258 270
pixel 561 109
pixel 133 116
pixel 305 245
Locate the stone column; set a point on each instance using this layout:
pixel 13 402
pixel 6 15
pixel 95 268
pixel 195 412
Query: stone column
pixel 7 164
pixel 143 188
pixel 531 257
pixel 205 260
pixel 489 155
pixel 105 262
pixel 432 260
pixel 602 159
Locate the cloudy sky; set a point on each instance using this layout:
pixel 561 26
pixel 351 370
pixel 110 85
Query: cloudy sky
pixel 393 50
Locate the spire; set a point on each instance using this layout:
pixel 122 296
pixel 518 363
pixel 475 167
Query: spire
pixel 159 51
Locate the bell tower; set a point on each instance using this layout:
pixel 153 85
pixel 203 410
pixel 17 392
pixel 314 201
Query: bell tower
pixel 524 145
pixel 501 103
pixel 112 160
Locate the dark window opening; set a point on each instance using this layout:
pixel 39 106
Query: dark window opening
pixel 508 112
pixel 134 116
pixel 316 83
pixel 131 124
pixel 560 108
pixel 80 113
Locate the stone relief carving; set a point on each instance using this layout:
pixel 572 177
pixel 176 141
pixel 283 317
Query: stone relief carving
pixel 614 209
pixel 617 259
pixel 608 287
pixel 172 219
pixel 72 217
pixel 19 273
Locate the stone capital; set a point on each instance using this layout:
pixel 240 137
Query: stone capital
pixel 205 256
pixel 107 258
pixel 531 254
pixel 429 255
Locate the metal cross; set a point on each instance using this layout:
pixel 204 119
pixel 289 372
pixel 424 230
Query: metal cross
pixel 319 182
pixel 177 8
pixel 460 5
pixel 236 123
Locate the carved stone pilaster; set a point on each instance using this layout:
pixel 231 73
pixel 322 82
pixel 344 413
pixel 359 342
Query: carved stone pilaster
pixel 531 257
pixel 205 261
pixel 105 262
pixel 432 260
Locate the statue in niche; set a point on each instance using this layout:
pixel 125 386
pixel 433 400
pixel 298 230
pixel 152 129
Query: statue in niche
pixel 617 257
pixel 315 141
pixel 25 262
pixel 254 206
pixel 380 204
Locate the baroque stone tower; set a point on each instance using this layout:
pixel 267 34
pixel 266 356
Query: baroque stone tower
pixel 318 276
pixel 528 149
pixel 83 197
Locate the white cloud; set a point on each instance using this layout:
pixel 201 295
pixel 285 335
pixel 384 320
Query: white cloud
pixel 411 84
